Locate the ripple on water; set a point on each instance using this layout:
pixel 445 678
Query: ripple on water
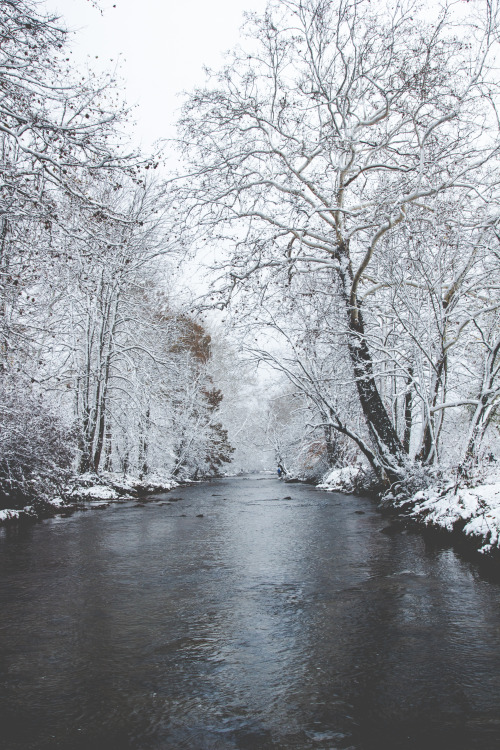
pixel 272 623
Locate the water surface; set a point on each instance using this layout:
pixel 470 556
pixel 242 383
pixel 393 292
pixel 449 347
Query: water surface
pixel 284 617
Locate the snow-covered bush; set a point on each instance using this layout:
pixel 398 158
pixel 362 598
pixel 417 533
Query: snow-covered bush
pixel 36 449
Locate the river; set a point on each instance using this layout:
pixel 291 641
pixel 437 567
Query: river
pixel 244 614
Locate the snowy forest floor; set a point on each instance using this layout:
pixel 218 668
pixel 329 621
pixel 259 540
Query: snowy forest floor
pixel 470 512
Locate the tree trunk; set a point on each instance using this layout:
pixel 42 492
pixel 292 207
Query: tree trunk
pixel 485 410
pixel 331 446
pixel 126 462
pixel 385 439
pixel 428 448
pixel 391 457
pixel 479 423
pixel 100 438
pixel 143 446
pixel 108 448
pixel 408 403
pixel 101 406
pixel 84 443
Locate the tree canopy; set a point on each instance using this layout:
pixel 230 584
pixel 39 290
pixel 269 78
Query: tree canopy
pixel 359 146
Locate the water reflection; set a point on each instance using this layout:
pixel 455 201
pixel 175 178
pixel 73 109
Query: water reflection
pixel 268 623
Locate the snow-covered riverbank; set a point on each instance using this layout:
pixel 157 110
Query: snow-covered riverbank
pixel 474 511
pixel 90 491
pixel 471 511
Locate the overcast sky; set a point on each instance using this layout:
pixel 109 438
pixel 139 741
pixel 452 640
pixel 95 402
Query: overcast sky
pixel 162 46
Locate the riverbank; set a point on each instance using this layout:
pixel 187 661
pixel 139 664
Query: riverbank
pixel 470 512
pixel 91 491
pixel 473 512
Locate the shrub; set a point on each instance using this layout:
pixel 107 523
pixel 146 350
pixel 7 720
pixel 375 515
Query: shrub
pixel 36 449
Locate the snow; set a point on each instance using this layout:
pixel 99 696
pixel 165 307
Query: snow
pixel 155 483
pixel 111 487
pixel 57 502
pixel 341 480
pixel 98 492
pixel 9 515
pixel 475 509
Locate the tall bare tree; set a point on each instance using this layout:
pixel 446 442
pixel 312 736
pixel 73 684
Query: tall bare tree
pixel 334 126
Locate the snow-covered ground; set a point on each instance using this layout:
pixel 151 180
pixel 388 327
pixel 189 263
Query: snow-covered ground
pixel 95 490
pixel 475 511
pixel 29 511
pixel 341 480
pixel 10 515
pixel 111 487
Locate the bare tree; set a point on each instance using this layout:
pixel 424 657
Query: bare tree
pixel 333 128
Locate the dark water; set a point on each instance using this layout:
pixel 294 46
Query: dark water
pixel 268 623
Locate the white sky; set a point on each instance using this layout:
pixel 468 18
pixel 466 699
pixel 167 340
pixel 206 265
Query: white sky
pixel 162 46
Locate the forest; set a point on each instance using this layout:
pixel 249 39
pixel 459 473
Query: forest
pixel 342 170
pixel 99 369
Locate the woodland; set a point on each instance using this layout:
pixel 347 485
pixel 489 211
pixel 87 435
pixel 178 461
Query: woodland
pixel 342 171
pixel 99 370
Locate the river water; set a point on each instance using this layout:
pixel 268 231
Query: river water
pixel 284 617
